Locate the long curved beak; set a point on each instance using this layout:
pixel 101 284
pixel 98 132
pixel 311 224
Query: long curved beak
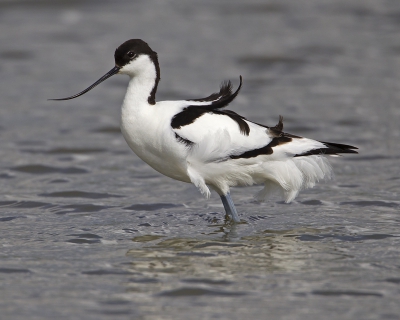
pixel 110 73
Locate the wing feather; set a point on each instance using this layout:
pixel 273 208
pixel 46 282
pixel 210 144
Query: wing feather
pixel 219 134
pixel 212 104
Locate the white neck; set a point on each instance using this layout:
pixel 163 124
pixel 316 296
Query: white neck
pixel 143 78
pixel 138 91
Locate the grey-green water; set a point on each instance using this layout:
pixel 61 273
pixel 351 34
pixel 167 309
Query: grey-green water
pixel 88 231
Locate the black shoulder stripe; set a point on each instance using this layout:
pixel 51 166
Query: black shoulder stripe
pixel 331 148
pixel 264 150
pixel 217 101
pixel 187 116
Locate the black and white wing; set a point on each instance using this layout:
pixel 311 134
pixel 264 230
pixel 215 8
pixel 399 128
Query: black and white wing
pixel 220 134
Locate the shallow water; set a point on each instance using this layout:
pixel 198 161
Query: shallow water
pixel 88 231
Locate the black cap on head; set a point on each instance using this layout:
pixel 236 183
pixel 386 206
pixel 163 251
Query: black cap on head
pixel 131 49
pixel 125 53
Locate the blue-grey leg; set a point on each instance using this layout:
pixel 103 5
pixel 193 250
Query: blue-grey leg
pixel 230 207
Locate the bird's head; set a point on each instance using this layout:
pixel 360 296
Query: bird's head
pixel 133 58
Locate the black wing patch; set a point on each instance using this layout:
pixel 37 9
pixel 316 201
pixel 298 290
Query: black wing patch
pixel 217 101
pixel 264 150
pixel 280 137
pixel 331 148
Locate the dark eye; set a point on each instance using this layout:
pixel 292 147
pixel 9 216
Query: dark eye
pixel 131 54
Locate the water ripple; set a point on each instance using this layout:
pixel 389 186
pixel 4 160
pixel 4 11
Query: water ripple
pixel 14 270
pixel 106 272
pixel 350 238
pixel 83 207
pixel 152 206
pixel 376 203
pixel 194 291
pixel 346 293
pixel 64 150
pixel 43 169
pixel 80 194
pixel 25 204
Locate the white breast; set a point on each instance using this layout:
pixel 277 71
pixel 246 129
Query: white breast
pixel 147 130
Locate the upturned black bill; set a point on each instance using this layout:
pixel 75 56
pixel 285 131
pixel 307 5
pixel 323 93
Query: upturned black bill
pixel 110 73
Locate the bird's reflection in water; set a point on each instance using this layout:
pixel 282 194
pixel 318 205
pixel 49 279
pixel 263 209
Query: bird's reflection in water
pixel 225 256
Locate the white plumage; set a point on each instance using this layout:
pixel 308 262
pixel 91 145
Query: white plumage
pixel 199 141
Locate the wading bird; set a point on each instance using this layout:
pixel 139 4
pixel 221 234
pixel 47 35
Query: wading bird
pixel 201 142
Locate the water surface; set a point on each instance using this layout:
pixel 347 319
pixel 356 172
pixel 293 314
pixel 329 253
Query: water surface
pixel 88 231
